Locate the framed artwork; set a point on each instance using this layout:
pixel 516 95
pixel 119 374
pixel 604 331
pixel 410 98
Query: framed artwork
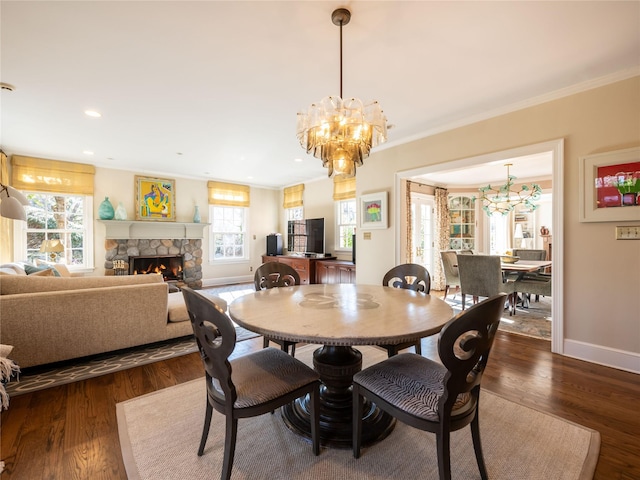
pixel 374 212
pixel 155 199
pixel 610 186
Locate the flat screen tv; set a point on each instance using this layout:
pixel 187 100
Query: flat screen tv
pixel 306 236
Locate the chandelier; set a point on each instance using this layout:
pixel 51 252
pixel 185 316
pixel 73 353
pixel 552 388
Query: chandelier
pixel 341 132
pixel 503 199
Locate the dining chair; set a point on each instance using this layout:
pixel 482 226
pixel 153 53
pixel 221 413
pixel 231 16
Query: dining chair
pixel 247 386
pixel 531 254
pixel 450 268
pixel 274 275
pixel 540 285
pixel 409 276
pixel 432 396
pixel 481 276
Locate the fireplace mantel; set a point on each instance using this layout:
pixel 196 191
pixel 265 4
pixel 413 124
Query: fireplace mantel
pixel 126 229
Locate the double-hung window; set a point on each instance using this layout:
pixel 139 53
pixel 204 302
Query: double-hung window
pixel 60 208
pixel 228 211
pixel 344 195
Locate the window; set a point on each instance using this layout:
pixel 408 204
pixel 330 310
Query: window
pixel 295 213
pixel 228 233
pixel 54 216
pixel 346 223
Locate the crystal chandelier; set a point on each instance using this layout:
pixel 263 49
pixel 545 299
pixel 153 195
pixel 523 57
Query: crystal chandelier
pixel 503 199
pixel 341 132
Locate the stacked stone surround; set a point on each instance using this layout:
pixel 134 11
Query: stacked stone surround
pixel 190 249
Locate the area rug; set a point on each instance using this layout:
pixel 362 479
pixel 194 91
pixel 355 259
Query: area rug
pixel 518 443
pixel 534 321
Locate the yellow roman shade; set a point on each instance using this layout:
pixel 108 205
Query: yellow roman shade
pixel 344 188
pixel 293 196
pixel 40 175
pixel 228 194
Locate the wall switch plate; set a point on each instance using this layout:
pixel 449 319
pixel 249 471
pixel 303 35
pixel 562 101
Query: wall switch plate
pixel 628 233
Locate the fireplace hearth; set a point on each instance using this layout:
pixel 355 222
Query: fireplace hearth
pixel 169 266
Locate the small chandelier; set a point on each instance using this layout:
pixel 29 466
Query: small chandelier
pixel 341 132
pixel 503 199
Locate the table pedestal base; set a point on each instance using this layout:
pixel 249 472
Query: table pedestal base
pixel 336 366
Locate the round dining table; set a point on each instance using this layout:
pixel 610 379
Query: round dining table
pixel 340 316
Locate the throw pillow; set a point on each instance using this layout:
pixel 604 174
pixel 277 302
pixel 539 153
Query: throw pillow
pixel 61 269
pixel 41 271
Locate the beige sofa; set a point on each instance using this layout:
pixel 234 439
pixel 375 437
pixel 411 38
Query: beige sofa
pixel 49 319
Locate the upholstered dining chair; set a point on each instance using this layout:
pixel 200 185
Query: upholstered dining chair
pixel 409 276
pixel 273 275
pixel 248 386
pixel 427 395
pixel 540 285
pixel 450 268
pixel 532 254
pixel 481 276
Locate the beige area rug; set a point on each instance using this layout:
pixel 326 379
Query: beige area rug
pixel 160 433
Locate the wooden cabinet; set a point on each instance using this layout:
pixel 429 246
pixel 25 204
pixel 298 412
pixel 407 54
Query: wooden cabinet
pixel 306 267
pixel 335 271
pixel 462 213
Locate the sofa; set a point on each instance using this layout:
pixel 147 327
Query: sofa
pixel 54 318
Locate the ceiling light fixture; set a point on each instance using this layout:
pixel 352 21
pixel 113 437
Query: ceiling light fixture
pixel 92 113
pixel 503 199
pixel 341 132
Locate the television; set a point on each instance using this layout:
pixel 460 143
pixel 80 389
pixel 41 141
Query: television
pixel 306 236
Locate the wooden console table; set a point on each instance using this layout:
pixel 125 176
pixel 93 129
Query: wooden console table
pixel 335 271
pixel 305 266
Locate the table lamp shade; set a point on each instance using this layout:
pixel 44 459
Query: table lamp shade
pixel 52 247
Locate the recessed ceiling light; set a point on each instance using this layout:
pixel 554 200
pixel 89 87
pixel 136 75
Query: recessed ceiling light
pixel 297 159
pixel 92 113
pixel 250 177
pixel 87 152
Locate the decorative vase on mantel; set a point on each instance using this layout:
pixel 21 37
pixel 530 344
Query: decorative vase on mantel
pixel 196 214
pixel 105 210
pixel 121 212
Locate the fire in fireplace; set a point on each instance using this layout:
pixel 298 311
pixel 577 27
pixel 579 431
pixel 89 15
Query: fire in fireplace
pixel 169 266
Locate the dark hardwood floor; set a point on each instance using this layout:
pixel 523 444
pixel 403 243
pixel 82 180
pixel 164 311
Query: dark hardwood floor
pixel 70 432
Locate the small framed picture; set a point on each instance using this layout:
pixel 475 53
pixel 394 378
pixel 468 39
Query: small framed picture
pixel 374 212
pixel 155 199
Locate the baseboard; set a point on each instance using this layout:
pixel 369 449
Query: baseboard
pixel 214 282
pixel 609 357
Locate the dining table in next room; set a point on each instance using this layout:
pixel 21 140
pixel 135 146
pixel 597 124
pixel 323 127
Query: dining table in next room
pixel 338 317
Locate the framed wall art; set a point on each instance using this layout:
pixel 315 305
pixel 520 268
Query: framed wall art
pixel 374 212
pixel 155 199
pixel 610 186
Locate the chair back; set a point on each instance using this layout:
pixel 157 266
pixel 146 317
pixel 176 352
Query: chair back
pixel 449 266
pixel 480 275
pixel 216 338
pixel 530 254
pixel 409 276
pixel 464 345
pixel 275 274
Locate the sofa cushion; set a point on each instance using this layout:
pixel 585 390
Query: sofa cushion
pixel 177 309
pixel 60 268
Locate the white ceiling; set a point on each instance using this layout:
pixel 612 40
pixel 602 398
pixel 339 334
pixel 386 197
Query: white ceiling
pixel 211 89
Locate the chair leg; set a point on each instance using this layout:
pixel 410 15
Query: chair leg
pixel 444 455
pixel 477 447
pixel 205 428
pixel 293 349
pixel 418 347
pixel 315 419
pixel 229 447
pixel 265 342
pixel 357 421
pixel 463 301
pixel 446 290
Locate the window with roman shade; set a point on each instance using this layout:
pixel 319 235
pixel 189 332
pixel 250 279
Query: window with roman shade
pixel 344 195
pixel 61 208
pixel 293 196
pixel 228 212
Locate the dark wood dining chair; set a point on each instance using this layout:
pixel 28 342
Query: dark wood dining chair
pixel 427 395
pixel 249 385
pixel 409 276
pixel 274 275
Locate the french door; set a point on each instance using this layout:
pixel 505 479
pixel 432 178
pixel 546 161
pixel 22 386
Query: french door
pixel 422 229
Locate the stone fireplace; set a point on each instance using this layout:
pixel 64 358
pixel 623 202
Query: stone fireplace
pixel 169 266
pixel 188 251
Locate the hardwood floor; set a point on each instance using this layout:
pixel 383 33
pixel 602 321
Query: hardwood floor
pixel 70 432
